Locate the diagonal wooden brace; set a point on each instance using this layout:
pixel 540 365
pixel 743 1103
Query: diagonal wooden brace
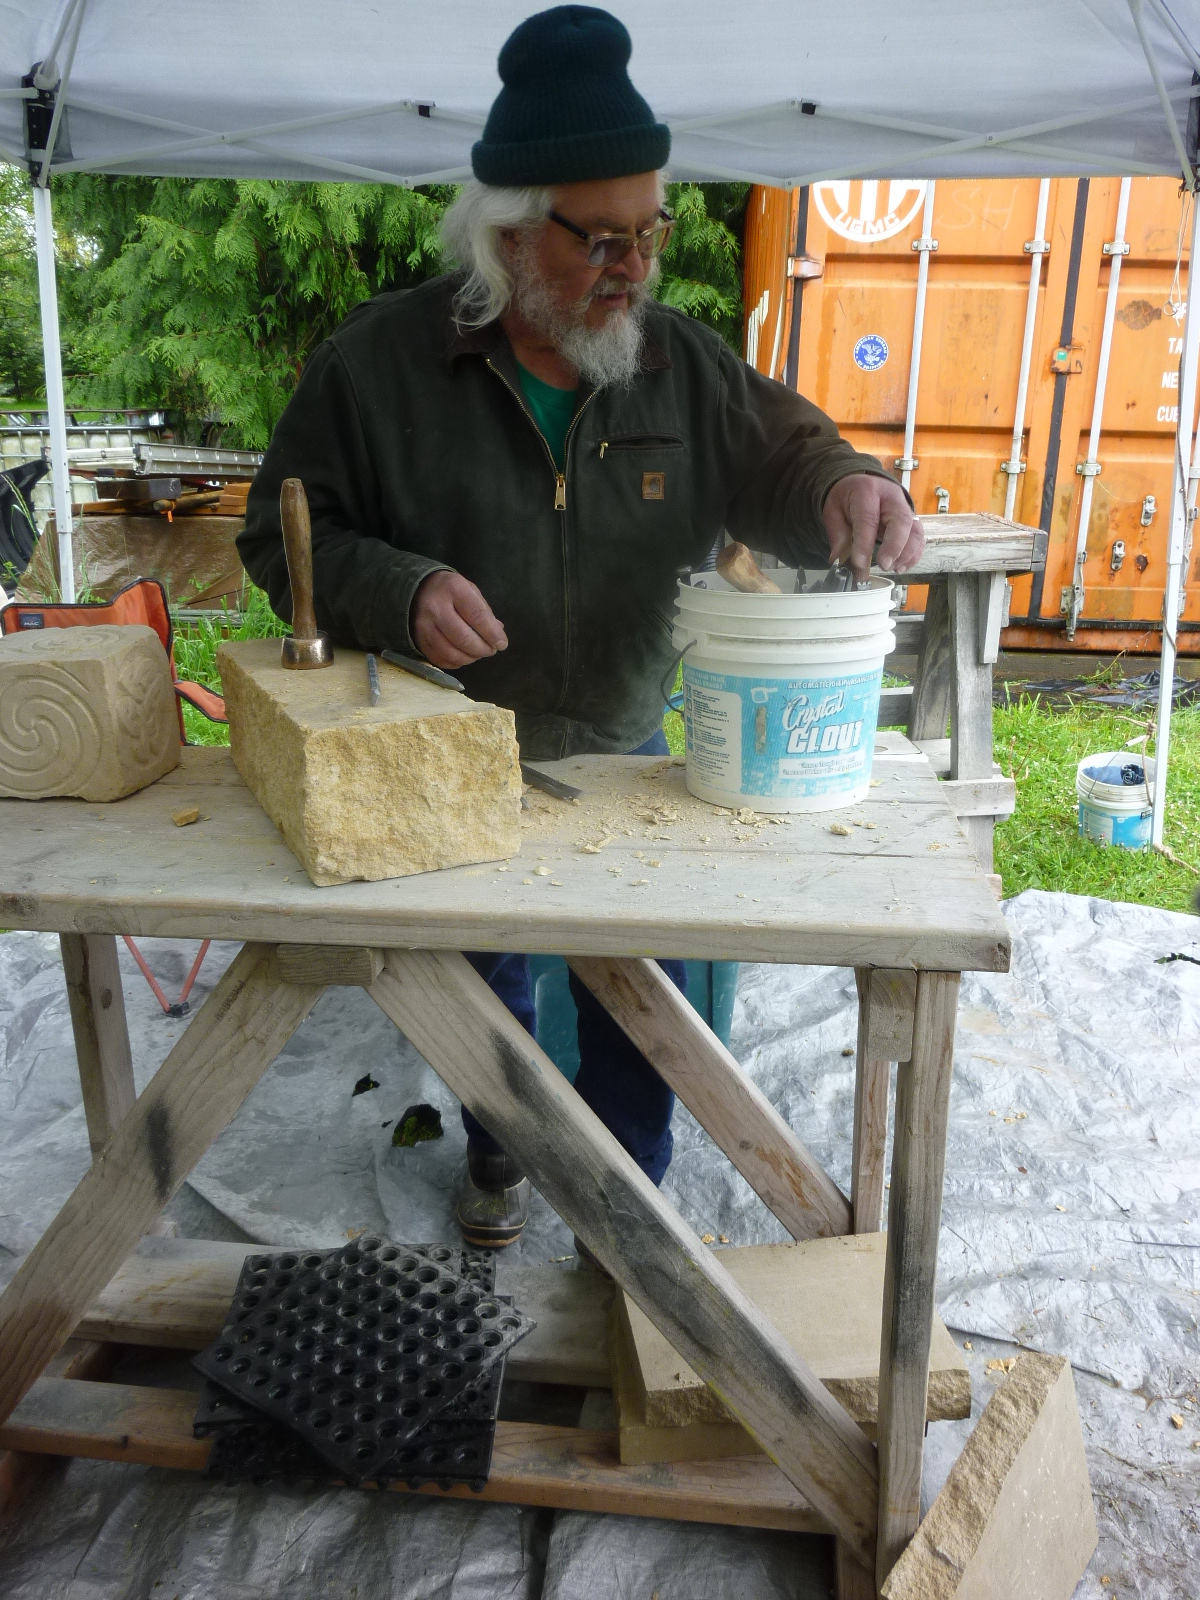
pixel 194 1095
pixel 739 1118
pixel 484 1055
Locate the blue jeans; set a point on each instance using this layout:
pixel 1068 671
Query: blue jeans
pixel 614 1078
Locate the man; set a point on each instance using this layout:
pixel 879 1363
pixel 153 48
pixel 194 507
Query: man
pixel 509 467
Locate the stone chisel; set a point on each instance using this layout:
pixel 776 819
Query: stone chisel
pixel 422 669
pixel 306 646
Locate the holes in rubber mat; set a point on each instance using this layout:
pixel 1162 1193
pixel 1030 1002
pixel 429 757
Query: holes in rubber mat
pixel 393 1375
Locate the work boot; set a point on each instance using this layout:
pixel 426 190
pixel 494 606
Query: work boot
pixel 494 1206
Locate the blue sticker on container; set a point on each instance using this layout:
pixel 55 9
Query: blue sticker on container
pixel 784 739
pixel 870 352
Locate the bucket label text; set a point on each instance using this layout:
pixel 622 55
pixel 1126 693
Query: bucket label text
pixel 801 738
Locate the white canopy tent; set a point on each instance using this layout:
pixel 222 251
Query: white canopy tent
pixel 784 92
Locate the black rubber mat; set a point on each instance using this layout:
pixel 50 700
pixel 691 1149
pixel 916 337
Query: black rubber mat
pixel 453 1447
pixel 359 1349
pixel 264 1277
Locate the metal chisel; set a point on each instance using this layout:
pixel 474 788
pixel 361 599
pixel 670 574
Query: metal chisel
pixel 549 785
pixel 422 669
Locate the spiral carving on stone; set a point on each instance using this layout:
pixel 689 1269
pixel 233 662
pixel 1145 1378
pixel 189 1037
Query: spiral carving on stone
pixel 144 711
pixel 49 735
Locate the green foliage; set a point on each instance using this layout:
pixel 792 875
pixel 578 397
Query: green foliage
pixel 209 295
pixel 21 376
pixel 702 265
pixel 20 330
pixel 196 655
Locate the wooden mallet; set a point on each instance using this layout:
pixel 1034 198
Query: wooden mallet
pixel 739 569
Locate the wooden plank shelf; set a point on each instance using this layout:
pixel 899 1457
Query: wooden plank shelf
pixel 573 1469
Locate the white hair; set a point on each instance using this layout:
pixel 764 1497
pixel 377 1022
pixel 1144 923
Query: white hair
pixel 471 231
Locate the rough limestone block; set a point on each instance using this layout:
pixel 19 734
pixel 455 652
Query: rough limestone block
pixel 1015 1519
pixel 85 711
pixel 825 1296
pixel 425 779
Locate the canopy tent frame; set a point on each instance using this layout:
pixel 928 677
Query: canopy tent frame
pixel 48 83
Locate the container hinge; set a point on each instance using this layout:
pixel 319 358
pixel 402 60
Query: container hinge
pixel 924 243
pixel 1088 469
pixel 1012 468
pixel 943 500
pixel 804 267
pixel 906 463
pixel 1116 247
pixel 1036 247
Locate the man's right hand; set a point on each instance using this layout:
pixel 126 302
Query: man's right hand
pixel 452 624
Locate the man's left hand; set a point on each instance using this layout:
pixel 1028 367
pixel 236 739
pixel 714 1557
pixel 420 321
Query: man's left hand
pixel 863 511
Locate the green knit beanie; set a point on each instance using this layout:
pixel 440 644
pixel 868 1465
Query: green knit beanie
pixel 567 111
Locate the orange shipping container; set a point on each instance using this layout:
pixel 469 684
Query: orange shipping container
pixel 830 291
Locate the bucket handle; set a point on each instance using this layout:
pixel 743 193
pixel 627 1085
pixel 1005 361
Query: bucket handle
pixel 670 699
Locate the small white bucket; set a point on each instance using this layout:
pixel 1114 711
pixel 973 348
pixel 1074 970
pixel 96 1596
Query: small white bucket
pixel 781 694
pixel 1115 813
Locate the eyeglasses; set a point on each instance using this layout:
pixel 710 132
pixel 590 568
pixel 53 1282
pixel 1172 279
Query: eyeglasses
pixel 606 249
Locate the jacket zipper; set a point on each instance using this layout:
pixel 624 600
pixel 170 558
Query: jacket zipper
pixel 642 441
pixel 560 505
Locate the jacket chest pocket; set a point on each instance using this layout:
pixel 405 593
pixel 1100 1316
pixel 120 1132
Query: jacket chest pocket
pixel 643 458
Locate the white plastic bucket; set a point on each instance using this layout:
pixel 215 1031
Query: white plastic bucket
pixel 1115 813
pixel 781 694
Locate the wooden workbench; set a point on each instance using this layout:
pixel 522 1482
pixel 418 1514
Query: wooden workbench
pixel 637 869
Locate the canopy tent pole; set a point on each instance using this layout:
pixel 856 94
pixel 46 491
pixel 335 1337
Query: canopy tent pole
pixel 924 245
pixel 1183 497
pixel 43 226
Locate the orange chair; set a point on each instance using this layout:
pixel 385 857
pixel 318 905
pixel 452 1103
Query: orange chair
pixel 142 601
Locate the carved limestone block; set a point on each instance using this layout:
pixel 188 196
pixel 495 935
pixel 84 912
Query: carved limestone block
pixel 425 779
pixel 85 711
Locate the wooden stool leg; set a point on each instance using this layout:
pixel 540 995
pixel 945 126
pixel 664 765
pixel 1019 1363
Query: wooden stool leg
pixel 194 1095
pixel 975 599
pixel 872 1080
pixel 914 1217
pixel 101 1033
pixel 885 1028
pixel 931 688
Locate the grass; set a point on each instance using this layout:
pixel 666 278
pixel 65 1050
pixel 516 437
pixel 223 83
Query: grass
pixel 1039 846
pixel 196 655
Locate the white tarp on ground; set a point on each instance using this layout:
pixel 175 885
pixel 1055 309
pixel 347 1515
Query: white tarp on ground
pixel 901 88
pixel 1071 1223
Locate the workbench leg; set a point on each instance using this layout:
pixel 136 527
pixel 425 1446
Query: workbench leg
pixel 885 1031
pixel 914 1218
pixel 731 1109
pixel 101 1033
pixel 931 686
pixel 501 1075
pixel 225 1049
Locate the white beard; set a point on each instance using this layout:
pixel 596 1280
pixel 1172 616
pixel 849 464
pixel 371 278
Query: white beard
pixel 609 356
